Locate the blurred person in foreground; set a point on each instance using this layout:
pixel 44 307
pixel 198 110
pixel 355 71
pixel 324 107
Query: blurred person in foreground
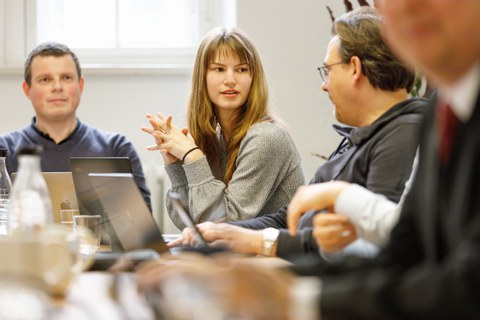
pixel 430 267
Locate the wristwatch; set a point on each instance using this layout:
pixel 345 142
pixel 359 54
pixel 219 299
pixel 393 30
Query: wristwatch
pixel 270 236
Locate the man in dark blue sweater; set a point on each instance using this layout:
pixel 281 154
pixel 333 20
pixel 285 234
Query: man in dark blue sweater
pixel 53 82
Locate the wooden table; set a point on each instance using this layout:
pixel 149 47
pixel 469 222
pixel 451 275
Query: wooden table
pixel 102 295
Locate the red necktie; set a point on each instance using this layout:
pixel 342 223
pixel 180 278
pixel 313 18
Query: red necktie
pixel 448 129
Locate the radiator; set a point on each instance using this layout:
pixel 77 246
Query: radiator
pixel 158 183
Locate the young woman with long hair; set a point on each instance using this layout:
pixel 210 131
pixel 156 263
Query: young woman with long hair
pixel 235 161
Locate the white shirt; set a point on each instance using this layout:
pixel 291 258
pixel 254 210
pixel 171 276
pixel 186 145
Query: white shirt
pixel 462 95
pixel 373 214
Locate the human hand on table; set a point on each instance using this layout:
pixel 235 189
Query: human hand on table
pixel 235 238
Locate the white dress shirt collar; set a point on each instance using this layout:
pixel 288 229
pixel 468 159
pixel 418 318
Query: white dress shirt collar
pixel 462 95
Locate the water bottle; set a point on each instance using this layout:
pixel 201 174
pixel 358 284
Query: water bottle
pixel 30 204
pixel 5 192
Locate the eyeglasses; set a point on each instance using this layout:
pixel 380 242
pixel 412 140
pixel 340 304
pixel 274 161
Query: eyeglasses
pixel 324 70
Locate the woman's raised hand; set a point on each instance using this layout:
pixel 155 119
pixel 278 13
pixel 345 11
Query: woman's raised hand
pixel 160 126
pixel 174 143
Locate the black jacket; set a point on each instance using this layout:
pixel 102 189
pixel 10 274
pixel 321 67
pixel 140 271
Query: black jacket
pixel 378 157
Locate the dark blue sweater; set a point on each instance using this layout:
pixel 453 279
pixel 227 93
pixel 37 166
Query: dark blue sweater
pixel 85 141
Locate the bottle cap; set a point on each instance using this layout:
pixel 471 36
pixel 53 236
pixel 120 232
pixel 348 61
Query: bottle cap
pixel 32 150
pixel 3 153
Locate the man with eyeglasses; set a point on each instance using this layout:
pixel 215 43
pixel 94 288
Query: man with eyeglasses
pixel 323 70
pixel 369 89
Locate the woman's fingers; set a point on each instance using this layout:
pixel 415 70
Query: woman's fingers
pixel 160 122
pixel 154 147
pixel 158 135
pixel 161 116
pixel 148 130
pixel 169 121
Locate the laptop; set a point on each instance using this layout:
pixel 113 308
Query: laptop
pixel 61 189
pixel 130 219
pixel 126 213
pixel 82 166
pixel 100 164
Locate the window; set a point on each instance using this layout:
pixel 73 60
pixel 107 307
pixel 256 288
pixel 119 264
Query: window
pixel 120 32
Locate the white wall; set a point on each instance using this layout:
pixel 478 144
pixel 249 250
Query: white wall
pixel 291 37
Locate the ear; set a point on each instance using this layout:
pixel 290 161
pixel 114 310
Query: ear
pixel 26 89
pixel 357 69
pixel 81 82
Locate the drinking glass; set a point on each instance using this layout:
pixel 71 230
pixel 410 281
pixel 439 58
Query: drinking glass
pixel 66 217
pixel 89 230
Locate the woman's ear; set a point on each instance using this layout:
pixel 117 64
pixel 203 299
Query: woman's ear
pixel 357 69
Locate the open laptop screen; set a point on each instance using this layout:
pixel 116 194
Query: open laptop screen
pixel 62 191
pixel 88 200
pixel 127 216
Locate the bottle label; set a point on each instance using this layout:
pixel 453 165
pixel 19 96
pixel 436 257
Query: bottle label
pixel 4 193
pixel 3 214
pixel 29 209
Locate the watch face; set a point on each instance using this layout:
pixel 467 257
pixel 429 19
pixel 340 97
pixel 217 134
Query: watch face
pixel 271 234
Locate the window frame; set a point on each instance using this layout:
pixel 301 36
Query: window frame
pixel 18 18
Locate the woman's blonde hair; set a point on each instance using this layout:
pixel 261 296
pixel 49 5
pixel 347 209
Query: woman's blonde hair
pixel 202 121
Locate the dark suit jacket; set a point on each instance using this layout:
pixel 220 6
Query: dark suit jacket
pixel 431 267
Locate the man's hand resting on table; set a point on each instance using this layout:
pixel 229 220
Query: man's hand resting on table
pixel 237 239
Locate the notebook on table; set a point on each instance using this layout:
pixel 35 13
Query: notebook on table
pixel 61 189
